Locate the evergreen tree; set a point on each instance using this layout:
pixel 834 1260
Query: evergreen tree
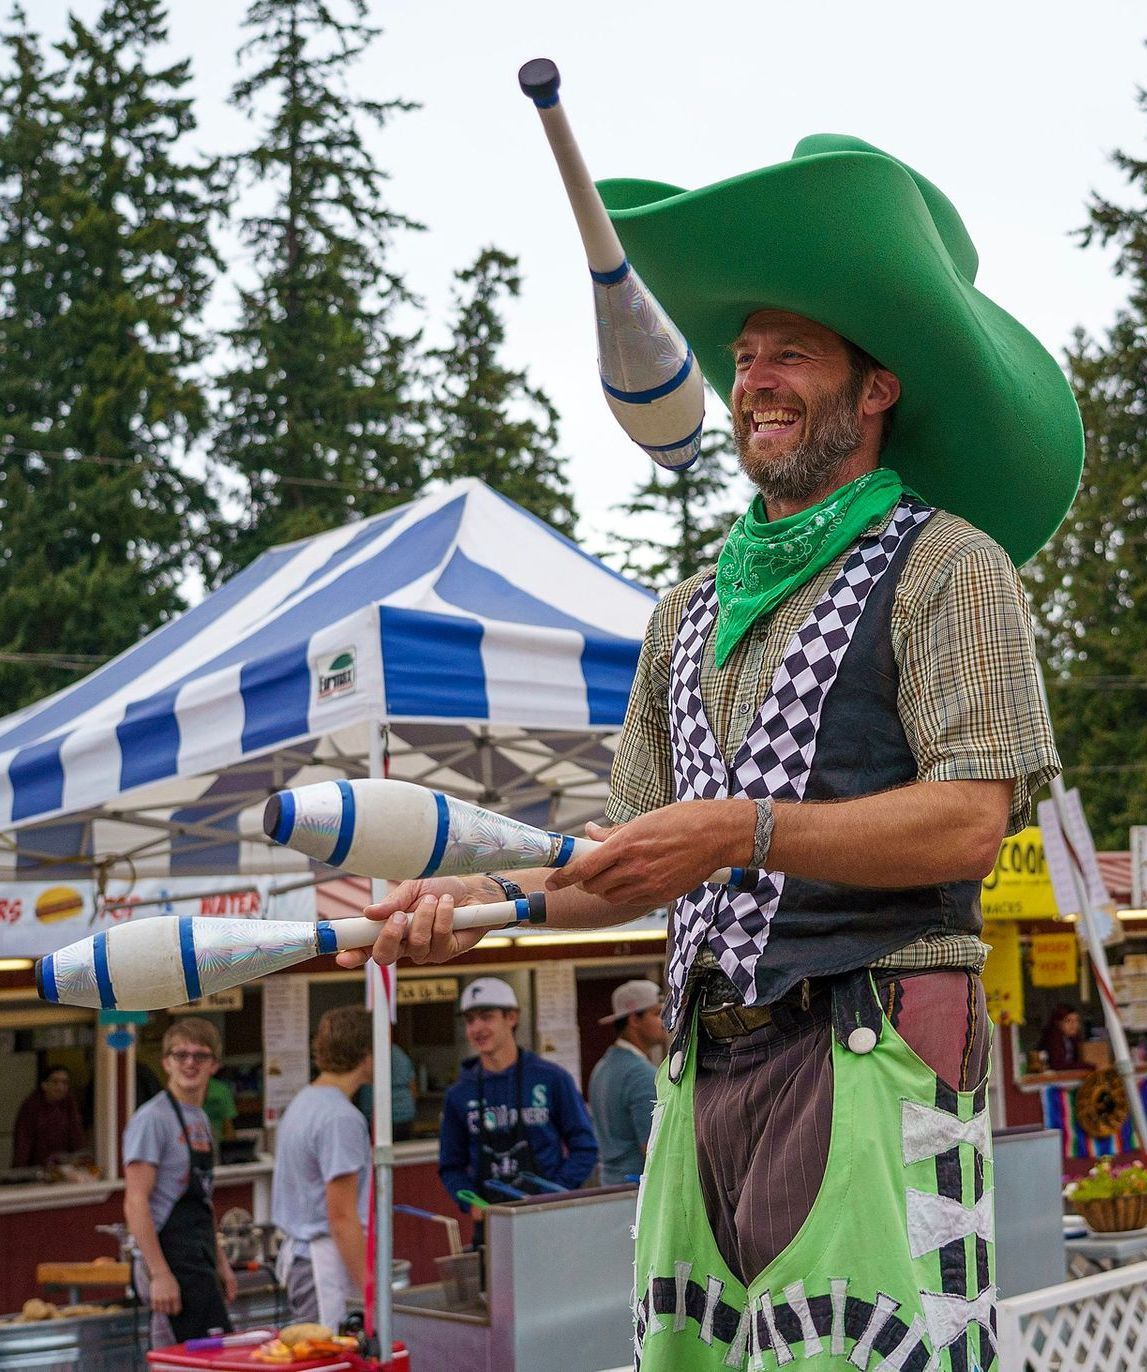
pixel 1089 583
pixel 106 260
pixel 696 506
pixel 319 415
pixel 489 422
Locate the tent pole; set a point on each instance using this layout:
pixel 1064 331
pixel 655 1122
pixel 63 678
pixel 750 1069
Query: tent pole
pixel 383 1122
pixel 1094 944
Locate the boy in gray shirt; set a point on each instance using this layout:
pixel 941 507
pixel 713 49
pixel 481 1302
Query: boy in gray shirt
pixel 321 1186
pixel 168 1181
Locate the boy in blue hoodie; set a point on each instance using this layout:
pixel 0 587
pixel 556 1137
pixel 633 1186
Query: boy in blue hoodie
pixel 510 1112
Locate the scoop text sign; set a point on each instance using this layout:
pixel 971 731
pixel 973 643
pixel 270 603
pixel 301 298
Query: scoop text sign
pixel 1019 886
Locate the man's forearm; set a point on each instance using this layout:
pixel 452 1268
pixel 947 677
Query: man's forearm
pixel 918 835
pixel 351 1243
pixel 922 834
pixel 142 1227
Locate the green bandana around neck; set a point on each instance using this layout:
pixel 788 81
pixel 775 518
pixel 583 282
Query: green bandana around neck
pixel 764 561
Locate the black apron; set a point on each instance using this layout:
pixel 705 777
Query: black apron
pixel 188 1243
pixel 504 1152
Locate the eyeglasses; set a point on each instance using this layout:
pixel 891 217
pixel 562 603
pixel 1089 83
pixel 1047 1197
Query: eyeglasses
pixel 184 1055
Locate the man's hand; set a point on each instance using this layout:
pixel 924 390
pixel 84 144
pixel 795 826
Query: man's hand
pixel 417 920
pixel 664 854
pixel 165 1298
pixel 227 1279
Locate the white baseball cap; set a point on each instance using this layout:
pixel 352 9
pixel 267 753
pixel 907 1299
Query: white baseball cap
pixel 488 993
pixel 631 998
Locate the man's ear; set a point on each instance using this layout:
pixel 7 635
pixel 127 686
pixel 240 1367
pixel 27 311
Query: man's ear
pixel 881 392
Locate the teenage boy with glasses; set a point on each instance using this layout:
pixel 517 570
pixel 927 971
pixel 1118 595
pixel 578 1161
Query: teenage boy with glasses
pixel 180 1270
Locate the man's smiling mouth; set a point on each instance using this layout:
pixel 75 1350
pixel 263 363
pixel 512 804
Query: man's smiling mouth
pixel 773 420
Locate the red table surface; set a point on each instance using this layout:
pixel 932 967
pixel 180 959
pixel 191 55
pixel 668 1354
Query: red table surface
pixel 243 1360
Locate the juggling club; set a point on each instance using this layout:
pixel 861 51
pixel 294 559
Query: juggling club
pixel 397 830
pixel 651 380
pixel 159 962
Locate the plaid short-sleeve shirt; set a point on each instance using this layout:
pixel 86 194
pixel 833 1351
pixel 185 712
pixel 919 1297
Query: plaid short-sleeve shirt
pixel 968 694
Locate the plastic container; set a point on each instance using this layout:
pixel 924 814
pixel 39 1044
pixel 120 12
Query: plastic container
pixel 461 1278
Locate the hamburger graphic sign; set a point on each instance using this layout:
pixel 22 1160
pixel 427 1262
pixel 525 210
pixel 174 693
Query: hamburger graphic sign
pixel 41 917
pixel 38 917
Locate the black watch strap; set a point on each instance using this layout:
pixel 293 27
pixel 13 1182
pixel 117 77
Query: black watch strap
pixel 510 889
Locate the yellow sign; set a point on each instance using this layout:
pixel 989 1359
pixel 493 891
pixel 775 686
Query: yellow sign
pixel 1003 975
pixel 426 990
pixel 1020 884
pixel 1054 960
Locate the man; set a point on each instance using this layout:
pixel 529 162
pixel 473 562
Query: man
pixel 48 1122
pixel 181 1271
pixel 321 1188
pixel 848 704
pixel 622 1084
pixel 511 1116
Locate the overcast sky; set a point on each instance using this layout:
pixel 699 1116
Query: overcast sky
pixel 1011 106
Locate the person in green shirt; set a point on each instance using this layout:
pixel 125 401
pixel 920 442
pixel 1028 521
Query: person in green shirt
pixel 220 1108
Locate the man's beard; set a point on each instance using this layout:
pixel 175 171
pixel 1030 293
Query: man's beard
pixel 832 435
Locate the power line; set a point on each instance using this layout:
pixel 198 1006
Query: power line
pixel 143 463
pixel 1099 683
pixel 69 662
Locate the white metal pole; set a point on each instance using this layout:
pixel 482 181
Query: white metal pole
pixel 383 1123
pixel 1098 955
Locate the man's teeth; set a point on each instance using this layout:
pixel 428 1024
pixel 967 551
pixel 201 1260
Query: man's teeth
pixel 774 419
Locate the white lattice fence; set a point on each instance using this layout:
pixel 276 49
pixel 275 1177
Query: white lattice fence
pixel 1097 1324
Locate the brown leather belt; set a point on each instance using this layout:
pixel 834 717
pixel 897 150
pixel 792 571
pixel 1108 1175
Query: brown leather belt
pixel 731 1021
pixel 724 1019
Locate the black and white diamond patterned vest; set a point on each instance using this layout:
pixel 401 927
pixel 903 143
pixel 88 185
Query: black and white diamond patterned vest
pixel 828 730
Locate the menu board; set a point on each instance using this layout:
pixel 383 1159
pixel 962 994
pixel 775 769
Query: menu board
pixel 555 1015
pixel 286 1044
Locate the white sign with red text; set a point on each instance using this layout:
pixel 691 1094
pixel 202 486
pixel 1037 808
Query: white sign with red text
pixel 39 917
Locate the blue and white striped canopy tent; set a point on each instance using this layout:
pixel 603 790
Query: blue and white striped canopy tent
pixel 495 653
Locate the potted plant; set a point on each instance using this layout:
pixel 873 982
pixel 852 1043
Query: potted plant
pixel 1111 1199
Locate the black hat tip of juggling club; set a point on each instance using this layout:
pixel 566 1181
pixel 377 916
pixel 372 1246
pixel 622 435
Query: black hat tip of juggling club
pixel 271 813
pixel 539 79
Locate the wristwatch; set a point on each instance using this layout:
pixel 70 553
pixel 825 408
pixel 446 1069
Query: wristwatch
pixel 510 889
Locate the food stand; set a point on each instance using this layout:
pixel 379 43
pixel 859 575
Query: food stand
pixel 1035 963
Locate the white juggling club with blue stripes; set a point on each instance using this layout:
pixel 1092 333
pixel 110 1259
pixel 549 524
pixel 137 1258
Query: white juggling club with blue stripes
pixel 398 830
pixel 167 960
pixel 650 377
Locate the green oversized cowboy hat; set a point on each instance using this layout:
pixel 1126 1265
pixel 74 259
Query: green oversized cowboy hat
pixel 844 234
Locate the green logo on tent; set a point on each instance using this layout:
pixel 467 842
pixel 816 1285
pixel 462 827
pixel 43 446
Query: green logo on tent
pixel 337 677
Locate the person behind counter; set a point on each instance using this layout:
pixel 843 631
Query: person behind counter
pixel 1061 1037
pixel 510 1112
pixel 48 1122
pixel 181 1270
pixel 622 1084
pixel 403 1097
pixel 321 1187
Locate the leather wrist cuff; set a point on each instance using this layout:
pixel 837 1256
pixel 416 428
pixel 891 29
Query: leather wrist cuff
pixel 764 835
